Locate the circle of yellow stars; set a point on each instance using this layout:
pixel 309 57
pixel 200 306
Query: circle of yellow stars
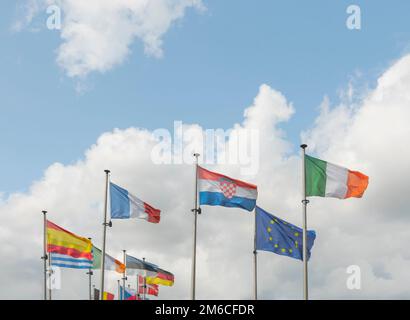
pixel 276 246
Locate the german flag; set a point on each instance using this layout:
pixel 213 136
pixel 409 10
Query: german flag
pixel 163 277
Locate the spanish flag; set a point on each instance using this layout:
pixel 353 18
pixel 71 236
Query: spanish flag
pixel 64 242
pixel 163 277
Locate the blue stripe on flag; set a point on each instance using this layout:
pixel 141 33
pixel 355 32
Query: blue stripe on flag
pixel 218 199
pixel 120 202
pixel 62 265
pixel 54 258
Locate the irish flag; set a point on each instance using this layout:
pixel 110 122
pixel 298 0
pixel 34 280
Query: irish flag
pixel 109 264
pixel 324 179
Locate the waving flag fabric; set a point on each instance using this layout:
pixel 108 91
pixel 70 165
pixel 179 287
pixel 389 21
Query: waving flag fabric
pixel 108 296
pixel 140 267
pixel 110 262
pixel 324 179
pixel 124 205
pixel 129 294
pixel 150 289
pixel 218 190
pixel 280 237
pixel 66 261
pixel 64 242
pixel 163 277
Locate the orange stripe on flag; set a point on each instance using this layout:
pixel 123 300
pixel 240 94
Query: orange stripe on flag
pixel 357 183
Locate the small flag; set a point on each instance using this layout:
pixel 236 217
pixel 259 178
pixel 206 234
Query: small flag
pixel 108 296
pixel 163 277
pixel 109 264
pixel 64 242
pixel 218 190
pixel 66 261
pixel 324 179
pixel 125 206
pixel 129 294
pixel 149 289
pixel 140 267
pixel 96 294
pixel 280 237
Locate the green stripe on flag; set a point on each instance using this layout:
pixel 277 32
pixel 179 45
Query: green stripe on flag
pixel 96 258
pixel 315 176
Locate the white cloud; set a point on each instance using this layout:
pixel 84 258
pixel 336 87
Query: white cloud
pixel 97 34
pixel 372 232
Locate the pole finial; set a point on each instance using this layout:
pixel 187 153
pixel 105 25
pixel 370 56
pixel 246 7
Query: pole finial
pixel 44 211
pixel 303 146
pixel 107 171
pixel 196 154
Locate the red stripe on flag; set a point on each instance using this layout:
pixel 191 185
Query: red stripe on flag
pixel 51 225
pixel 153 214
pixel 70 252
pixel 162 274
pixel 209 175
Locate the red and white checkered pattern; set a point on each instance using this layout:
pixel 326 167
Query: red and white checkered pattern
pixel 228 188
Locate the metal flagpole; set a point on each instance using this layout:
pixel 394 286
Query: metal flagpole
pixel 255 262
pixel 50 272
pixel 124 275
pixel 45 257
pixel 119 289
pixel 105 224
pixel 145 283
pixel 196 211
pixel 304 205
pixel 138 285
pixel 90 273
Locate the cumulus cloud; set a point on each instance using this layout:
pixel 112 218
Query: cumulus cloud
pixel 372 232
pixel 97 34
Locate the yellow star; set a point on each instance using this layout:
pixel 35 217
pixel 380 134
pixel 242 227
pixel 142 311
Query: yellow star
pixel 269 229
pixel 270 238
pixel 296 234
pixel 276 246
pixel 283 250
pixel 272 222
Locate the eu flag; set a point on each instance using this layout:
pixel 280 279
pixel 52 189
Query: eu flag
pixel 278 236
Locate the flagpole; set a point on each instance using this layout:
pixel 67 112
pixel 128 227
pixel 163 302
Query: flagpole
pixel 119 289
pixel 105 224
pixel 138 286
pixel 195 211
pixel 50 272
pixel 124 275
pixel 255 262
pixel 45 257
pixel 90 273
pixel 304 205
pixel 145 283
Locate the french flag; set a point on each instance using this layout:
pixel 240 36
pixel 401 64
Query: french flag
pixel 124 205
pixel 218 190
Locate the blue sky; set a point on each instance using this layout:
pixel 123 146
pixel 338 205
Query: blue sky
pixel 212 67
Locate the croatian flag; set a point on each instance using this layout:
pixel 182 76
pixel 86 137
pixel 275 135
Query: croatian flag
pixel 218 190
pixel 125 206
